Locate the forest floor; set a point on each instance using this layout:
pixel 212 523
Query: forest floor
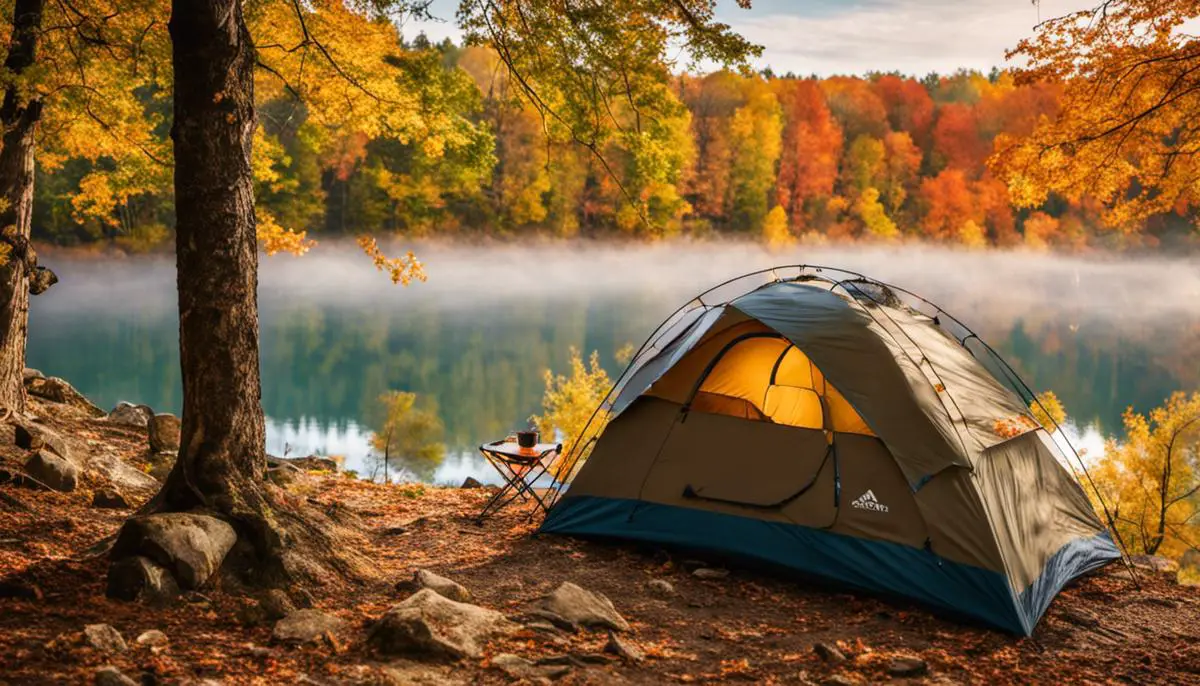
pixel 747 627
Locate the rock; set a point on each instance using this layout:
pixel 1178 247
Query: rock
pixel 560 623
pixel 710 574
pixel 306 626
pixel 104 638
pixel 29 374
pixel 623 649
pixel 585 608
pixel 428 623
pixel 192 546
pixel 838 680
pixel 519 668
pixel 661 587
pixel 829 653
pixel 154 639
pixel 128 414
pixel 907 667
pixel 405 673
pixel 164 431
pixel 111 676
pixel 283 475
pixel 276 604
pixel 56 390
pixel 109 499
pixel 54 471
pixel 138 578
pixel 471 482
pixel 441 585
pixel 312 463
pixel 32 437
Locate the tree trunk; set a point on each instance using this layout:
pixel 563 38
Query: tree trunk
pixel 221 464
pixel 18 117
pixel 221 458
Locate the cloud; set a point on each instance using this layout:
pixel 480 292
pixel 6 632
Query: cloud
pixel 910 36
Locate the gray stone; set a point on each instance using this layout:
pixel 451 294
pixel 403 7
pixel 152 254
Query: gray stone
pixel 428 623
pixel 33 437
pixel 838 680
pixel 907 667
pixel 405 673
pixel 829 653
pixel 710 574
pixel 154 639
pixel 56 472
pixel 104 638
pixel 312 463
pixel 164 432
pixel 138 578
pixel 585 608
pixel 276 604
pixel 111 676
pixel 56 390
pixel 109 499
pixel 29 374
pixel 306 626
pixel 519 668
pixel 441 585
pixel 128 414
pixel 661 587
pixel 192 546
pixel 471 482
pixel 283 475
pixel 623 649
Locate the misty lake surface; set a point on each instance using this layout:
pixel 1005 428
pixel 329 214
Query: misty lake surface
pixel 475 340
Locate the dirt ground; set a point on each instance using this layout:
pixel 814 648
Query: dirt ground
pixel 749 627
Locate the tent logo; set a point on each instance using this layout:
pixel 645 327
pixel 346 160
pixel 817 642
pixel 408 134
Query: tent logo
pixel 867 501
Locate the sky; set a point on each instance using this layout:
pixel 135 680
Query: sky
pixel 827 37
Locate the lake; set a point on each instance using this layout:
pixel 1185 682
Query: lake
pixel 475 340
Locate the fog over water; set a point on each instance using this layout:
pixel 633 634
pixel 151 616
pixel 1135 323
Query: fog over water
pixel 1102 332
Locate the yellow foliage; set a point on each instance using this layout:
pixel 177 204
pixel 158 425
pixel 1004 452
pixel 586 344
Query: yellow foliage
pixel 874 218
pixel 402 270
pixel 775 231
pixel 569 401
pixel 1048 410
pixel 276 239
pixel 408 435
pixel 1150 480
pixel 972 235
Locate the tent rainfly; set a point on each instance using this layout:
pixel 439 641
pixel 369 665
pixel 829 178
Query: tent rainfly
pixel 838 427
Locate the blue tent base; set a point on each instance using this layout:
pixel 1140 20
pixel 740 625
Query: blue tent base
pixel 836 560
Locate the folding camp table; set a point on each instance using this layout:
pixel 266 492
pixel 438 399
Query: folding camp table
pixel 521 468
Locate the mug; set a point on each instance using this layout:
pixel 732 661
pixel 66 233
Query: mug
pixel 527 439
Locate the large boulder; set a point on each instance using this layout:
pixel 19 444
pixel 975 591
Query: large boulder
pixel 56 390
pixel 128 414
pixel 56 472
pixel 584 608
pixel 138 578
pixel 192 546
pixel 306 626
pixel 312 463
pixel 428 623
pixel 164 430
pixel 29 374
pixel 444 587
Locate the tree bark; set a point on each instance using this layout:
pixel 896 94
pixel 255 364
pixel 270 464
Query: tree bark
pixel 19 274
pixel 221 458
pixel 221 465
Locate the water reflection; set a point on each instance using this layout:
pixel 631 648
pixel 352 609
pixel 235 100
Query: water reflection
pixel 475 340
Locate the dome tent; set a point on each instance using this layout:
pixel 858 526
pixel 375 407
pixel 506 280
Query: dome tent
pixel 817 420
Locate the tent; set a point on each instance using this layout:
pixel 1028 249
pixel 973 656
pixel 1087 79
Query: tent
pixel 816 420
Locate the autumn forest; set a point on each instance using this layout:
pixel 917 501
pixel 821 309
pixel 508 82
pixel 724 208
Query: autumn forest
pixel 777 157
